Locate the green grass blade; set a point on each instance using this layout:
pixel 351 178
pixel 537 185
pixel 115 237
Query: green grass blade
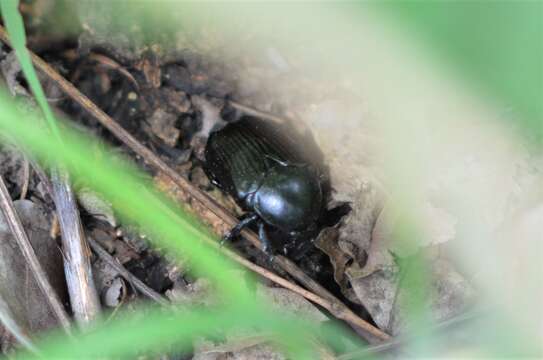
pixel 134 201
pixel 16 31
pixel 174 231
pixel 151 329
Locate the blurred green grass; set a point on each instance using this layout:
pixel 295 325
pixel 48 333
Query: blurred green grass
pixel 176 233
pixel 495 45
pixel 134 200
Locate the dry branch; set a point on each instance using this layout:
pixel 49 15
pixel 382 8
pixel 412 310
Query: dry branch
pixel 77 265
pixel 336 307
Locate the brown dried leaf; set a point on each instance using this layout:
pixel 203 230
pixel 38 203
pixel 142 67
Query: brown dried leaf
pixel 17 284
pixel 327 241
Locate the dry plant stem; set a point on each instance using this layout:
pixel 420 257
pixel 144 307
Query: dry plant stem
pixel 19 233
pixel 77 265
pixel 255 112
pixel 398 342
pixel 330 305
pixel 336 308
pixel 26 177
pixel 339 309
pixel 140 285
pixel 109 63
pixel 11 324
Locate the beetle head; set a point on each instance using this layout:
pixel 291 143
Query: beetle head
pixel 290 197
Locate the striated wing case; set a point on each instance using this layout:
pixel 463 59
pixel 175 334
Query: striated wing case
pixel 238 156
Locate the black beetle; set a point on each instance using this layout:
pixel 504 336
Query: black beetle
pixel 278 178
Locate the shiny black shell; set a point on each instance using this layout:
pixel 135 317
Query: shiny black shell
pixel 269 169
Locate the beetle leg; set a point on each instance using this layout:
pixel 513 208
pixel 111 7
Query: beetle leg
pixel 265 240
pixel 245 221
pixel 332 217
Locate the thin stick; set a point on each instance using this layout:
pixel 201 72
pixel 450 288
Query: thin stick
pixel 77 265
pixel 19 233
pixel 16 329
pixel 336 308
pixel 340 309
pixel 255 112
pixel 396 343
pixel 26 177
pixel 114 263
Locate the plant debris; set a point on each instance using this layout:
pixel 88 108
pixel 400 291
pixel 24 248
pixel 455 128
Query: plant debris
pixel 17 285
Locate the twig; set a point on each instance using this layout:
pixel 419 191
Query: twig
pixel 16 329
pixel 140 285
pixel 19 233
pixel 255 112
pixel 397 342
pixel 338 309
pixel 77 266
pixel 26 177
pixel 111 64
